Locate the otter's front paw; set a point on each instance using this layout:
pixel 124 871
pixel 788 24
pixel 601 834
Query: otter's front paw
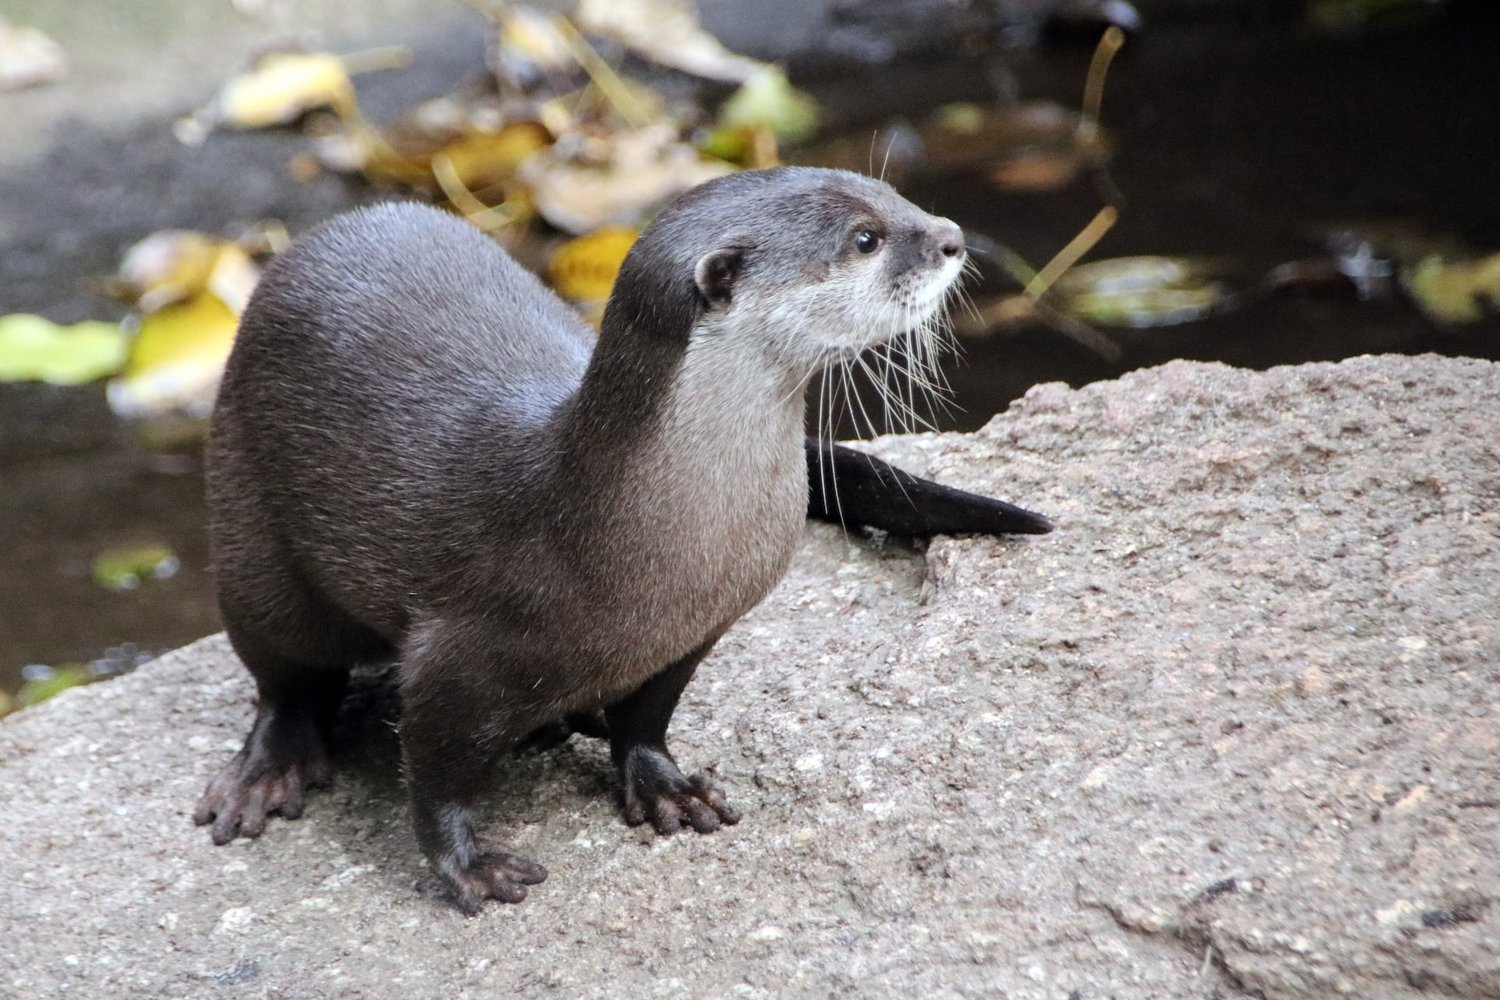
pixel 247 792
pixel 491 875
pixel 657 790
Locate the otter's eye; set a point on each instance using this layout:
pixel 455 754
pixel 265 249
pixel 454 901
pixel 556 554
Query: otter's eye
pixel 867 241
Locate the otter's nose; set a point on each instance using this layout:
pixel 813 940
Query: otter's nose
pixel 949 239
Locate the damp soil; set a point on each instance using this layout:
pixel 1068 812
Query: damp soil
pixel 1236 134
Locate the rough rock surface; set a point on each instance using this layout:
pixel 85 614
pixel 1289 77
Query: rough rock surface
pixel 1232 731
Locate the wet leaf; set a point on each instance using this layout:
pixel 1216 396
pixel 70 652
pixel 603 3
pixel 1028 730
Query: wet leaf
pixel 43 682
pixel 1140 292
pixel 481 159
pixel 1038 169
pixel 1455 291
pixel 1036 146
pixel 614 181
pixel 36 349
pixel 668 33
pixel 467 153
pixel 28 57
pixel 283 86
pixel 173 264
pixel 768 100
pixel 584 269
pixel 280 87
pixel 749 146
pixel 127 567
pixel 176 359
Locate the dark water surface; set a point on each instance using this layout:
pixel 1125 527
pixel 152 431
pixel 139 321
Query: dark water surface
pixel 1236 136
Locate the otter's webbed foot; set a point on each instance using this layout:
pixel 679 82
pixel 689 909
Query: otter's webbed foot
pixel 656 789
pixel 284 755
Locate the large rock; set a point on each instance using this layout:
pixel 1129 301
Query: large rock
pixel 1232 731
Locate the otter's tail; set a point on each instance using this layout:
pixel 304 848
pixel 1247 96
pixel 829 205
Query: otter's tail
pixel 875 494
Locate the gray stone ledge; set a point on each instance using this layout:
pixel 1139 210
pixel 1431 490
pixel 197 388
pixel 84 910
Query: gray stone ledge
pixel 1232 731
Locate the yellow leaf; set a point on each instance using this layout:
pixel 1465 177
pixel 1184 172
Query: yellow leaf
pixel 584 269
pixel 176 359
pixel 176 264
pixel 1456 291
pixel 482 159
pixel 283 86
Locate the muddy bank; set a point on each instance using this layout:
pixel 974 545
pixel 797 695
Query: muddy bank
pixel 1230 732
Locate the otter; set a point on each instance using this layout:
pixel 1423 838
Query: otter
pixel 419 452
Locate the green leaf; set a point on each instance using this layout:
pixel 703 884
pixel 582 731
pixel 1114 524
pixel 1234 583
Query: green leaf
pixel 33 349
pixel 176 359
pixel 49 681
pixel 1140 292
pixel 126 567
pixel 768 99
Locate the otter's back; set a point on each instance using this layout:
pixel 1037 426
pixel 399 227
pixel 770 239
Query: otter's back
pixel 382 357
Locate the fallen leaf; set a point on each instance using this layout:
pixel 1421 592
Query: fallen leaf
pixel 127 567
pixel 42 682
pixel 1035 146
pixel 28 57
pixel 768 100
pixel 584 269
pixel 1455 291
pixel 176 359
pixel 176 264
pixel 530 48
pixel 280 87
pixel 481 159
pixel 751 147
pixel 36 349
pixel 283 86
pixel 1140 292
pixel 668 32
pixel 601 182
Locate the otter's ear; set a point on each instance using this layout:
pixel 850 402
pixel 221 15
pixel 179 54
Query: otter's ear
pixel 716 274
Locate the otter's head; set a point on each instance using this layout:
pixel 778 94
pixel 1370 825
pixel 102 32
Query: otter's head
pixel 800 265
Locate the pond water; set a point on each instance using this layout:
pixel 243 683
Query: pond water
pixel 1240 137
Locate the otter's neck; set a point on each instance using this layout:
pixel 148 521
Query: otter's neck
pixel 623 393
pixel 700 442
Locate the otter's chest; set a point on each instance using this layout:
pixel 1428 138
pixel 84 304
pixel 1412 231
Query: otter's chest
pixel 701 535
